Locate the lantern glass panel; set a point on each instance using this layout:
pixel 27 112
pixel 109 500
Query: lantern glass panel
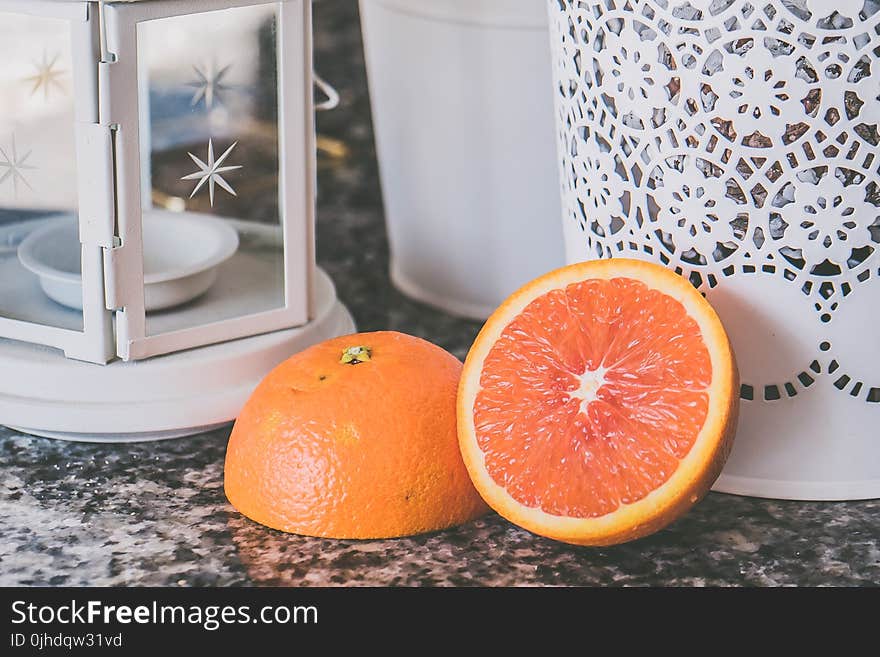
pixel 209 143
pixel 38 174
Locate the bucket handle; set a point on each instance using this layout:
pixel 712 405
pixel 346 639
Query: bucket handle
pixel 332 101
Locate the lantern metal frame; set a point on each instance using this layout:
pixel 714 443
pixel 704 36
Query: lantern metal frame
pixel 95 342
pixel 109 168
pixel 120 107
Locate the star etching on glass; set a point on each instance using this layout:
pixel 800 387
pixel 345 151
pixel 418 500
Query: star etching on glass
pixel 210 172
pixel 13 166
pixel 209 84
pixel 47 76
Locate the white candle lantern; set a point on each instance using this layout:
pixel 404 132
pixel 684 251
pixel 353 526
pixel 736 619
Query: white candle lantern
pixel 156 211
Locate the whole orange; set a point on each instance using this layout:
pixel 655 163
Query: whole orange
pixel 354 438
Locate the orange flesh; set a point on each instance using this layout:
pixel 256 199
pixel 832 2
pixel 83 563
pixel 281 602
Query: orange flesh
pixel 592 396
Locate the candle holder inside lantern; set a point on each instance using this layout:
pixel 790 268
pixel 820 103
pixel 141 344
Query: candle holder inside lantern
pixel 157 186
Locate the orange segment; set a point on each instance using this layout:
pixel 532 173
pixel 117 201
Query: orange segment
pixel 599 402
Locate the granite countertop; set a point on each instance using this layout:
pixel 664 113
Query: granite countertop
pixel 155 513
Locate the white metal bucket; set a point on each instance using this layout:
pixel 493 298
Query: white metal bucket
pixel 738 143
pixel 463 120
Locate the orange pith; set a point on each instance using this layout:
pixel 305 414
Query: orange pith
pixel 589 375
pixel 599 402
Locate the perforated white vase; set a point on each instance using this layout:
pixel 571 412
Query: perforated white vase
pixel 738 143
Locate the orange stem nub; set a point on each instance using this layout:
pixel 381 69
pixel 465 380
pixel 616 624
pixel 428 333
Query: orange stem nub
pixel 355 355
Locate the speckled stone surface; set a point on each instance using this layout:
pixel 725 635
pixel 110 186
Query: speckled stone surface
pixel 155 514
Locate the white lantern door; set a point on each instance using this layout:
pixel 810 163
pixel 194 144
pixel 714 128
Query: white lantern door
pixel 51 228
pixel 211 105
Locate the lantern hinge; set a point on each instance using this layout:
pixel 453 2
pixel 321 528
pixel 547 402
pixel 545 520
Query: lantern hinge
pixel 97 193
pixel 113 294
pixel 96 180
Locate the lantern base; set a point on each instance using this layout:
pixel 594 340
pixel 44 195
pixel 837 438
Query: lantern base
pixel 45 394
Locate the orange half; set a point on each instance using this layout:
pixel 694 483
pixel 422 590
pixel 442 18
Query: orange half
pixel 599 402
